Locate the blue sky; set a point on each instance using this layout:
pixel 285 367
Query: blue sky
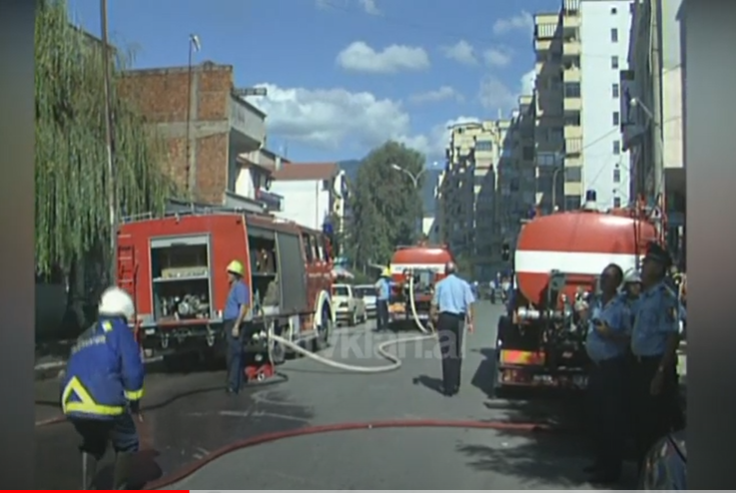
pixel 344 75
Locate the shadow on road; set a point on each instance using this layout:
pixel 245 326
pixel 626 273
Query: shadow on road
pixel 431 383
pixel 181 426
pixel 485 375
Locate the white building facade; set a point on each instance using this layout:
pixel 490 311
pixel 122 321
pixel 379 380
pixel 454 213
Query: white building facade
pixel 604 34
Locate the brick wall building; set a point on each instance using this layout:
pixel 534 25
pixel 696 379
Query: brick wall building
pixel 219 125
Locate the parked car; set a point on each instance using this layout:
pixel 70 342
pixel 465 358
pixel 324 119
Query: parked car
pixel 665 467
pixel 350 307
pixel 368 293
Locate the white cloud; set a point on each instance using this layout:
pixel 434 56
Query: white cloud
pixel 368 6
pixel 494 95
pixel 333 118
pixel 441 94
pixel 462 52
pixel 497 57
pixel 528 81
pixel 521 21
pixel 359 57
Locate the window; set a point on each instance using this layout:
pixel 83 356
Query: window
pixel 572 119
pixel 573 174
pixel 308 249
pixel 615 91
pixel 614 62
pixel 484 145
pixel 614 11
pixel 616 118
pixel 572 202
pixel 614 35
pixel 617 202
pixel 617 147
pixel 572 90
pixel 528 153
pixel 617 175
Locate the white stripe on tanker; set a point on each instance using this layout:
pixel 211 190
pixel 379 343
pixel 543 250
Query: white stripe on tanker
pixel 588 263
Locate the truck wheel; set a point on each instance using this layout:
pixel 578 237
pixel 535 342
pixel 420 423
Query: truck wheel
pixel 276 349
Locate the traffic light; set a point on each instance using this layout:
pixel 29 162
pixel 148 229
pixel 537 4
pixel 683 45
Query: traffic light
pixel 505 252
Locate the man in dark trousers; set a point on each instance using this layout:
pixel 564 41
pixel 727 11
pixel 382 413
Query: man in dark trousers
pixel 383 293
pixel 654 342
pixel 236 313
pixel 452 311
pixel 609 329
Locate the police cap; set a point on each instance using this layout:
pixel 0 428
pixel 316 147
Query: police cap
pixel 655 253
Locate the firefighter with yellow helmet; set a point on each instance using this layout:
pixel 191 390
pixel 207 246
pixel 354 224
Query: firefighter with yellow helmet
pixel 237 311
pixel 102 387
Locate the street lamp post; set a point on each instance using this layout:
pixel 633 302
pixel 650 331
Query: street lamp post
pixel 193 46
pixel 415 181
pixel 111 186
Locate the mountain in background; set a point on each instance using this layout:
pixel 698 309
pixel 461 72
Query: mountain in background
pixel 350 167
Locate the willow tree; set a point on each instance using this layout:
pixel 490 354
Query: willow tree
pixel 72 214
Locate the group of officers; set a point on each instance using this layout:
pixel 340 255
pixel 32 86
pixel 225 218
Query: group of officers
pixel 634 326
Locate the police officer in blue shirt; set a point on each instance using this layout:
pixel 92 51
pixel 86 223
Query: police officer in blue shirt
pixel 609 326
pixel 237 311
pixel 654 342
pixel 103 385
pixel 452 309
pixel 383 293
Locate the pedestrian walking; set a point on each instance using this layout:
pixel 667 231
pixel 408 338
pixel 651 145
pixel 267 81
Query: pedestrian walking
pixel 383 293
pixel 236 313
pixel 609 330
pixel 102 388
pixel 654 343
pixel 452 308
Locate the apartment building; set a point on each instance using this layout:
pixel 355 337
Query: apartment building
pixel 579 51
pixel 641 135
pixel 604 33
pixel 204 124
pixel 488 186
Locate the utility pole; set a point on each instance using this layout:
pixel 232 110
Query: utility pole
pixel 656 128
pixel 193 46
pixel 111 185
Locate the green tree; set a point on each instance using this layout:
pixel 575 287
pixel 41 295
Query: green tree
pixel 386 206
pixel 72 219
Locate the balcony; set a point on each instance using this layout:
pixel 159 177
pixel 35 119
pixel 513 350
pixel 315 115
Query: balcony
pixel 571 21
pixel 574 146
pixel 572 104
pixel 542 44
pixel 248 121
pixel 572 47
pixel 272 201
pixel 572 75
pixel 573 132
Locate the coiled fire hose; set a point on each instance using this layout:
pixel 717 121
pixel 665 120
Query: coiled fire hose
pixel 382 349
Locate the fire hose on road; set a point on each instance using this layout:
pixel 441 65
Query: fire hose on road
pixel 382 349
pixel 426 333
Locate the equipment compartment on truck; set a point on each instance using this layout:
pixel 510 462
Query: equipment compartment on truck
pixel 264 268
pixel 180 276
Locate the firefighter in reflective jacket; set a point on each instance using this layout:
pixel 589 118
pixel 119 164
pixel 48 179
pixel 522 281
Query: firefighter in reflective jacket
pixel 103 385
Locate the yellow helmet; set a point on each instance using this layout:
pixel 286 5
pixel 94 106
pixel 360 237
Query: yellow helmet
pixel 236 267
pixel 386 272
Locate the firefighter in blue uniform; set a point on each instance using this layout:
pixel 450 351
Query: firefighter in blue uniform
pixel 103 385
pixel 452 309
pixel 654 343
pixel 609 327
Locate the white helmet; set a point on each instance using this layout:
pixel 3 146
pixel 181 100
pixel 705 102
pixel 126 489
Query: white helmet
pixel 632 276
pixel 116 302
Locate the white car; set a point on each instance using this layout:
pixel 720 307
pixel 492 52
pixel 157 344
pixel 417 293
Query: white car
pixel 368 293
pixel 350 308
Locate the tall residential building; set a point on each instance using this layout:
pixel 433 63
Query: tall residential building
pixel 580 49
pixel 487 187
pixel 604 33
pixel 642 136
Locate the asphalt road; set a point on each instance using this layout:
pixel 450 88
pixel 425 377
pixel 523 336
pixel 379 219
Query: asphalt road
pixel 191 418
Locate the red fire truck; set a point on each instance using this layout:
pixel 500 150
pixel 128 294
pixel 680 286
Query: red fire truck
pixel 426 263
pixel 557 262
pixel 175 269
